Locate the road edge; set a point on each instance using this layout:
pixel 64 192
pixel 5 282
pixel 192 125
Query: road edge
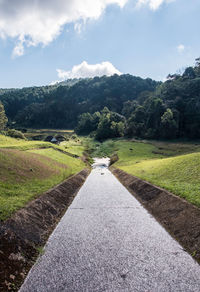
pixel 179 217
pixel 23 236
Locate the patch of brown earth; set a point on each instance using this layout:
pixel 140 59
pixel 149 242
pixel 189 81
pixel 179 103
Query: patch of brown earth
pixel 29 228
pixel 22 166
pixel 179 217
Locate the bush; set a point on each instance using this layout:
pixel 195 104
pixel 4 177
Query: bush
pixel 92 134
pixel 74 137
pixel 3 118
pixel 15 134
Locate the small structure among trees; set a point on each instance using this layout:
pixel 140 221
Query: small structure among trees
pixel 60 138
pixel 55 141
pixel 48 138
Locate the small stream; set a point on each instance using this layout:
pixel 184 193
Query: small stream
pixel 101 162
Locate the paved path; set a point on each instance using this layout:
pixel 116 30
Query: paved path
pixel 107 241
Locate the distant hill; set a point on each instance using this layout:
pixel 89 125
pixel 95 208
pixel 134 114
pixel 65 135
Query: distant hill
pixel 151 109
pixel 59 106
pixel 69 82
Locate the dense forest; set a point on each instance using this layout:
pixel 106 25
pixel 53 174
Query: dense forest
pixel 112 106
pixel 59 106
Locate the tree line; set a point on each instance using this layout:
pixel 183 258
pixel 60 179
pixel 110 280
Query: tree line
pixel 60 106
pixel 112 106
pixel 170 111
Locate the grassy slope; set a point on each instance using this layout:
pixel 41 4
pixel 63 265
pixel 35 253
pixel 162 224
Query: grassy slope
pixel 179 174
pixel 74 147
pixel 26 174
pixel 8 142
pixel 73 165
pixel 173 166
pixel 35 170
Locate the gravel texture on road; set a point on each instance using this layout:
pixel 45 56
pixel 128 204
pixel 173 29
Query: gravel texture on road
pixel 107 241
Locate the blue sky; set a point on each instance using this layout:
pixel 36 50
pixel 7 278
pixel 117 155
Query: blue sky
pixel 147 41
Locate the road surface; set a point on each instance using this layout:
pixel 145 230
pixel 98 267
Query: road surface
pixel 107 241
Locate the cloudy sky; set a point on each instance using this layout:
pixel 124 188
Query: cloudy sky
pixel 42 41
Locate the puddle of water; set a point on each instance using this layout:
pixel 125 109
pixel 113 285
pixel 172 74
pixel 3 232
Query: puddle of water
pixel 101 162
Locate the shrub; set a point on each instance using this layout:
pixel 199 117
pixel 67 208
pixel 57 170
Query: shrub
pixel 15 134
pixel 74 137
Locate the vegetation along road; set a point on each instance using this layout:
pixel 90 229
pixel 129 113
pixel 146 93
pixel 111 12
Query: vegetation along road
pixel 107 241
pixel 29 168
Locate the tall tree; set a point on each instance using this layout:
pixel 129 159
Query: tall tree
pixel 3 118
pixel 168 125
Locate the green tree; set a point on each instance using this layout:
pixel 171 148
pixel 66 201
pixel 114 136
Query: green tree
pixel 111 125
pixel 87 123
pixel 154 109
pixel 168 125
pixel 136 123
pixel 104 130
pixel 3 118
pixel 189 73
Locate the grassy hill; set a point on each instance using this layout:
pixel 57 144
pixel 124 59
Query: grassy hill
pixel 173 166
pixel 28 168
pixel 167 165
pixel 8 142
pixel 180 175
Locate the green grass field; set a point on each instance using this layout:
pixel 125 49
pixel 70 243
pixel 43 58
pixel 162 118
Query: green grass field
pixel 173 166
pixel 168 165
pixel 28 168
pixel 73 146
pixel 73 165
pixel 20 144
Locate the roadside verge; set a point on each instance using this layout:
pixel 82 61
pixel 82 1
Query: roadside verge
pixel 180 218
pixel 24 234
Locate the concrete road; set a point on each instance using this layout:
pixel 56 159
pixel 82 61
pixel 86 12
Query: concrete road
pixel 107 241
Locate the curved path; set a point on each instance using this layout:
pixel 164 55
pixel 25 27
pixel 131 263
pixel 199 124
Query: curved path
pixel 107 241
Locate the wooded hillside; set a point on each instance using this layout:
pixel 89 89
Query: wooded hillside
pixel 151 109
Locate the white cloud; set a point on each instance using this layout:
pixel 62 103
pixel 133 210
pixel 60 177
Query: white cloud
pixel 180 48
pixel 85 70
pixel 78 27
pixel 41 21
pixel 153 4
pixel 19 48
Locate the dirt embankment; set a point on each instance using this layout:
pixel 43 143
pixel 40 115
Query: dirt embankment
pixel 28 229
pixel 180 218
